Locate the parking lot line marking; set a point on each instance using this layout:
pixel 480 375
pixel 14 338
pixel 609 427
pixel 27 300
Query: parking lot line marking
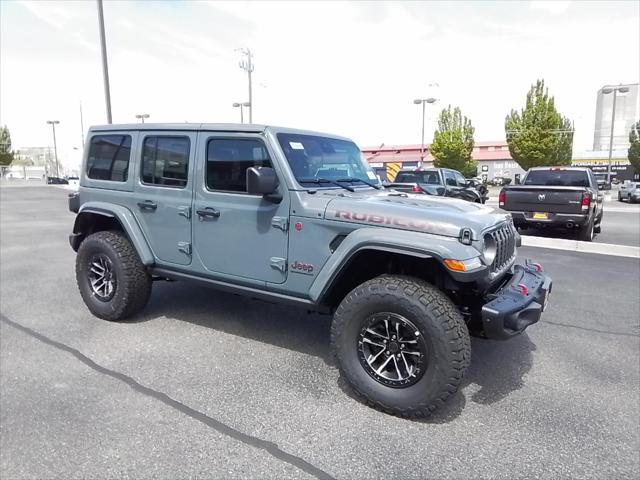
pixel 223 428
pixel 578 246
pixel 587 329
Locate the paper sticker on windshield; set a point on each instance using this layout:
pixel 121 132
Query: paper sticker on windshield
pixel 296 145
pixel 372 175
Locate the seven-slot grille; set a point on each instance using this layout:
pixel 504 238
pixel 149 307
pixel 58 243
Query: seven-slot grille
pixel 505 239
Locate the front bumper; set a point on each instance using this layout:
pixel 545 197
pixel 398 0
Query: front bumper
pixel 517 304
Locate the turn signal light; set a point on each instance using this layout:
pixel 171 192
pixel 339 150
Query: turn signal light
pixel 501 198
pixel 463 265
pixel 455 265
pixel 586 201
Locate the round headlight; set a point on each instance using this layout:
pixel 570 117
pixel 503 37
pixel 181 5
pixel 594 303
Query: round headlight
pixel 489 251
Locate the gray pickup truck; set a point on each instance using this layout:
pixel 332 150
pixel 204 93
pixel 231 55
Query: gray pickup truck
pixel 556 197
pixel 299 218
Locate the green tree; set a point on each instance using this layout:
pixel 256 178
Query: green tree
pixel 453 143
pixel 6 154
pixel 538 135
pixel 634 149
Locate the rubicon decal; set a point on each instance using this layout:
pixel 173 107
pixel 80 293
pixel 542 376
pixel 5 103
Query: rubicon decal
pixel 301 267
pixel 412 224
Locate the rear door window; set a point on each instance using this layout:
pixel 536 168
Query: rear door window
pixel 165 161
pixel 109 157
pixel 557 178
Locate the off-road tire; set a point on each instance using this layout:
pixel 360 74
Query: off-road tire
pixel 587 231
pixel 438 320
pixel 133 283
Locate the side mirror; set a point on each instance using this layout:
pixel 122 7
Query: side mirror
pixel 262 181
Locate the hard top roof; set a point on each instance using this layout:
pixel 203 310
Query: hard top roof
pixel 213 127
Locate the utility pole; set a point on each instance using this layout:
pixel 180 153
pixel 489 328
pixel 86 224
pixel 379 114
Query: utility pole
pixel 53 124
pixel 246 64
pixel 105 67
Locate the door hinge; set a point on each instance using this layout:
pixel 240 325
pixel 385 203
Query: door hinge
pixel 184 211
pixel 280 222
pixel 184 247
pixel 279 264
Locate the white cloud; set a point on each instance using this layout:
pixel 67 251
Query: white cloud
pixel 555 7
pixel 347 68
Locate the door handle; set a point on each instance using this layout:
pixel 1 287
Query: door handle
pixel 147 205
pixel 208 213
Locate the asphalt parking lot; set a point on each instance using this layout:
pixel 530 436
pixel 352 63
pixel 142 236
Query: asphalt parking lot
pixel 210 385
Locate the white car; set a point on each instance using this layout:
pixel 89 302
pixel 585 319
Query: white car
pixel 629 191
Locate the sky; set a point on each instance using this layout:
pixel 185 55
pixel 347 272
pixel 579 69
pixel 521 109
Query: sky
pixel 350 68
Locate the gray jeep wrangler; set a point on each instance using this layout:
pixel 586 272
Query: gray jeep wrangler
pixel 299 217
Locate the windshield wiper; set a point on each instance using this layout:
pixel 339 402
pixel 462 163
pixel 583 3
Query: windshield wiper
pixel 354 179
pixel 326 180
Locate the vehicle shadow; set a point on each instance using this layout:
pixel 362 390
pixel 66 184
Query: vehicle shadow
pixel 497 368
pixel 550 233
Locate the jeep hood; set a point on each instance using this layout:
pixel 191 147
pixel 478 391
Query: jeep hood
pixel 420 213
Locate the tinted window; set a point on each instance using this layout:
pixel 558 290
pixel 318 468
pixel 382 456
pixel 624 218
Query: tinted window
pixel 228 161
pixel 109 157
pixel 558 178
pixel 165 161
pixel 428 176
pixel 460 179
pixel 450 179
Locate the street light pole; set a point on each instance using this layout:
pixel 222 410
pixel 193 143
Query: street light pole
pixel 613 119
pixel 53 124
pixel 424 102
pixel 142 116
pixel 241 105
pixel 606 91
pixel 105 67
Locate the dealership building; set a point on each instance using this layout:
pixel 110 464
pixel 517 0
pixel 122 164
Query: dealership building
pixel 494 160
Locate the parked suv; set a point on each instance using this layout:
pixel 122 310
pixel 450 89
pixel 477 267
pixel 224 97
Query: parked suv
pixel 268 213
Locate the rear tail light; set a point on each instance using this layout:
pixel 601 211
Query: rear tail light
pixel 501 198
pixel 586 201
pixel 416 189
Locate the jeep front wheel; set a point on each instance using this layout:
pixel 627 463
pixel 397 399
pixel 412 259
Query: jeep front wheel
pixel 402 344
pixel 112 280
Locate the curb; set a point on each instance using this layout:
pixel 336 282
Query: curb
pixel 584 247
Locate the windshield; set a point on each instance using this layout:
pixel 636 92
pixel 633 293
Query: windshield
pixel 429 177
pixel 558 178
pixel 314 158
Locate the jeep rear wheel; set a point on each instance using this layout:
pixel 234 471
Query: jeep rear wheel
pixel 402 344
pixel 113 282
